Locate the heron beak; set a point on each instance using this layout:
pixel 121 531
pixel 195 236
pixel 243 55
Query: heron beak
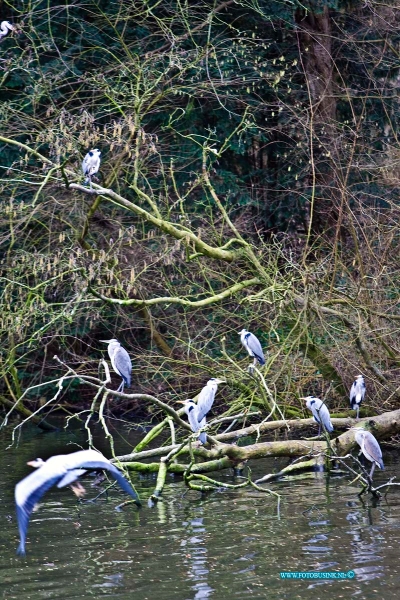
pixel 105 341
pixel 180 401
pixel 32 463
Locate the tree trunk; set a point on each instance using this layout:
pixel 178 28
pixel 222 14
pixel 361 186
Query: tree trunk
pixel 315 42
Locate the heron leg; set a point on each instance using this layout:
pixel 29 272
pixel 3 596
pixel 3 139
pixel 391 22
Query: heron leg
pixel 358 412
pixel 78 489
pixel 121 387
pixel 372 471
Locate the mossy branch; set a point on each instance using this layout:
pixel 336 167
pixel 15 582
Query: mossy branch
pixel 227 293
pixel 187 236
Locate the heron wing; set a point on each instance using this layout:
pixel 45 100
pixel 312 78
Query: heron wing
pixel 357 392
pixel 91 163
pixel 27 494
pixel 70 477
pixel 203 437
pixel 85 164
pixel 195 422
pixel 204 408
pixel 372 450
pixel 254 346
pixel 123 365
pixel 205 400
pixel 107 466
pixel 192 414
pixel 321 414
pixel 326 418
pixel 353 393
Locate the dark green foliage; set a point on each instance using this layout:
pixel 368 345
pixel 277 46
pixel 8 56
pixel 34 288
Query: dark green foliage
pixel 172 93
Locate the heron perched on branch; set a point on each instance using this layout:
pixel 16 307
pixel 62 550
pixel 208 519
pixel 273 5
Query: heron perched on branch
pixel 370 448
pixel 91 164
pixel 5 28
pixel 192 411
pixel 357 393
pixel 121 362
pixel 197 412
pixel 62 470
pixel 253 346
pixel 320 413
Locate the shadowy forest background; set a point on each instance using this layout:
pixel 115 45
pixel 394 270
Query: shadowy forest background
pixel 252 152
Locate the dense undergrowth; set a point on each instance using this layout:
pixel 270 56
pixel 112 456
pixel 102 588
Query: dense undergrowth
pixel 253 148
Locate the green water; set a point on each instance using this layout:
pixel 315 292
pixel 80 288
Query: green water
pixel 223 546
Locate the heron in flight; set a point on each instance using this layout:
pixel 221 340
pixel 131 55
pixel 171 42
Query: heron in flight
pixel 196 413
pixel 253 346
pixel 357 393
pixel 370 448
pixel 121 362
pixel 5 28
pixel 62 470
pixel 91 164
pixel 320 413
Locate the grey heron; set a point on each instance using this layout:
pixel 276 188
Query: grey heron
pixel 121 362
pixel 62 470
pixel 369 447
pixel 5 28
pixel 197 412
pixel 320 412
pixel 91 164
pixel 357 393
pixel 192 411
pixel 253 346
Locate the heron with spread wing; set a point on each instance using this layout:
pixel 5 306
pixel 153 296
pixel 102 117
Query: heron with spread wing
pixel 62 470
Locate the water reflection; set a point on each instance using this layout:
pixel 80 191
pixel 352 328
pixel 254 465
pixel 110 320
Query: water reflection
pixel 194 551
pixel 227 545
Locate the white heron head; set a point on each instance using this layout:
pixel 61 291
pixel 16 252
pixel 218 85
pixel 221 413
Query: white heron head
pixel 309 401
pixel 243 332
pixel 187 404
pixel 215 380
pixel 112 341
pixel 37 463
